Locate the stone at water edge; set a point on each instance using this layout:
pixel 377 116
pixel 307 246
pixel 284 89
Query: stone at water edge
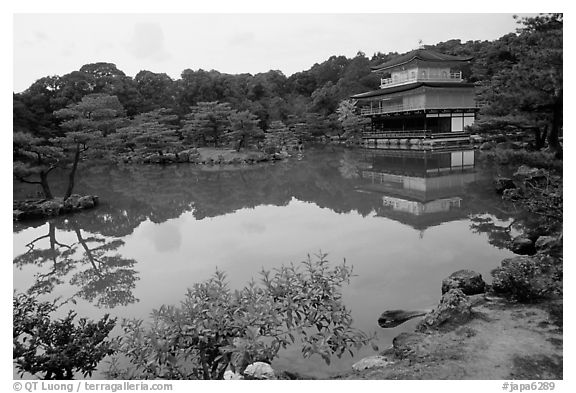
pixel 392 318
pixel 544 242
pixel 371 362
pixel 454 309
pixel 468 281
pixel 259 370
pixel 522 245
pixel 231 375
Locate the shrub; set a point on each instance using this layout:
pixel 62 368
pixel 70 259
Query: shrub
pixel 56 348
pixel 527 279
pixel 215 328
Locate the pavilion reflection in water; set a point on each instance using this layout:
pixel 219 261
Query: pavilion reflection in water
pixel 421 188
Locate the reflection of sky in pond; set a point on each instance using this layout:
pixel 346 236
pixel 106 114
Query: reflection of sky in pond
pixel 397 266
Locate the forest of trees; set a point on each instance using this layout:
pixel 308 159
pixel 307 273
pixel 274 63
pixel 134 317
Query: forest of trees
pixel 99 109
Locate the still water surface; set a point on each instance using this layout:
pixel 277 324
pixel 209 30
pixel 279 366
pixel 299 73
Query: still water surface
pixel 403 219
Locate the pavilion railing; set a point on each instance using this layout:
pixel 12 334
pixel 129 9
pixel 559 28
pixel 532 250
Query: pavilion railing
pixel 451 77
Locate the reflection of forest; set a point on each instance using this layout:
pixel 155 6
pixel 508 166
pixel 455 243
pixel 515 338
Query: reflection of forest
pixel 417 189
pixel 341 180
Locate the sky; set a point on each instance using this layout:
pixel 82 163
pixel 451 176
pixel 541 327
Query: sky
pixel 58 43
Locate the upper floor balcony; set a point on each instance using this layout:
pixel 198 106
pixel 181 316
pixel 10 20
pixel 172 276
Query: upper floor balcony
pixel 398 80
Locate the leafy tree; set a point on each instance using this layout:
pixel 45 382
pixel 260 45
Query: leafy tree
pixel 56 349
pixel 34 159
pixel 244 129
pixel 279 137
pixel 531 89
pixel 216 327
pixel 153 132
pixel 207 123
pixel 157 90
pixel 86 123
pixel 352 123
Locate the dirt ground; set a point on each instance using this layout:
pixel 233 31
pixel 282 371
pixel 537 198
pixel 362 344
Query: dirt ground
pixel 504 340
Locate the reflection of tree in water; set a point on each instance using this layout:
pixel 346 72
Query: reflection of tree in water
pixel 330 178
pixel 107 281
pixel 58 254
pixel 110 279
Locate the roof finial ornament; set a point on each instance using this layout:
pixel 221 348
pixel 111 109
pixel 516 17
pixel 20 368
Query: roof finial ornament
pixel 420 44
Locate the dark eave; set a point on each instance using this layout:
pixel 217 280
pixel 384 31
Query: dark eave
pixel 407 87
pixel 421 54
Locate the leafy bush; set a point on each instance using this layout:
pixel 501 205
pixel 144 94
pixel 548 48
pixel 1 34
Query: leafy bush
pixel 215 328
pixel 528 279
pixel 56 348
pixel 537 159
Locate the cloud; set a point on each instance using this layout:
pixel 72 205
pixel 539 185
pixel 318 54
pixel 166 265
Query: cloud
pixel 148 42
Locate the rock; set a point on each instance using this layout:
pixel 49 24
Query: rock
pixel 183 156
pixel 487 146
pixel 87 202
pixel 371 362
pixel 468 281
pixel 544 242
pixel 169 158
pixel 50 207
pixel 410 345
pixel 259 370
pixel 502 184
pixel 527 173
pixel 72 202
pixel 454 309
pixel 393 318
pixel 508 145
pixel 522 245
pixel 231 375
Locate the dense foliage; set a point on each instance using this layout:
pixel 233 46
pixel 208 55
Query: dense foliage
pixel 216 328
pixel 56 348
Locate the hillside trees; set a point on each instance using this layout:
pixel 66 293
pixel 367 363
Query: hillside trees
pixel 529 93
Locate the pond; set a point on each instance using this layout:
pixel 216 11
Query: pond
pixel 403 219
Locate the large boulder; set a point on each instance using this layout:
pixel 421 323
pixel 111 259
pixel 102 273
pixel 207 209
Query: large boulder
pixel 259 370
pixel 454 309
pixel 502 184
pixel 525 172
pixel 468 281
pixel 522 245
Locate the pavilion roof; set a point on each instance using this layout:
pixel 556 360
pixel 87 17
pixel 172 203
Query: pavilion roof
pixel 411 86
pixel 421 54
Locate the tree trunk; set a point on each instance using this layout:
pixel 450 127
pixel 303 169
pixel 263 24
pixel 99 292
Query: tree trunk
pixel 553 136
pixel 540 137
pixel 45 186
pixel 73 173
